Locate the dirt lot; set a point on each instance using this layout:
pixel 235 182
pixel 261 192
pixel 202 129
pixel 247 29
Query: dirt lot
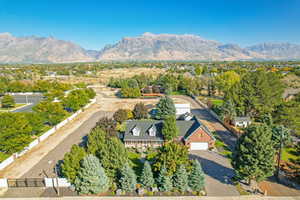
pixel 109 102
pixel 104 75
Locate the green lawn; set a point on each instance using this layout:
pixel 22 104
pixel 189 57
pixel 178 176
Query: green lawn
pixel 217 102
pixel 135 159
pixel 214 100
pixel 222 147
pixel 288 154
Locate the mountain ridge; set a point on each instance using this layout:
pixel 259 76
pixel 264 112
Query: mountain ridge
pixel 148 46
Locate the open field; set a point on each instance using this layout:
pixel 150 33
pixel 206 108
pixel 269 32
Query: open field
pixel 111 103
pixel 104 75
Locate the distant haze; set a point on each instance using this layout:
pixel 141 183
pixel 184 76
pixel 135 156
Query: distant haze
pixel 148 46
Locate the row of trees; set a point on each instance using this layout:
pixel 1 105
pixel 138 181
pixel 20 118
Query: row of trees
pixel 18 129
pixel 25 86
pixel 164 83
pixel 92 178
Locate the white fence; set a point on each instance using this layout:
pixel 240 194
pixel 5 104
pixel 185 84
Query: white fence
pixel 6 162
pixel 52 182
pixel 3 183
pixel 24 93
pixel 11 159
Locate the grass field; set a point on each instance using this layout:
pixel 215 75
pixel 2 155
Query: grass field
pixel 214 100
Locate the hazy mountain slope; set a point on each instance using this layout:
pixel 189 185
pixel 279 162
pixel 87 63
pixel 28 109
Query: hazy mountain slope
pixel 39 50
pixel 173 47
pixel 277 50
pixel 145 47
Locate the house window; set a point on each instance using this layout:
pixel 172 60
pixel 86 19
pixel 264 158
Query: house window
pixel 135 131
pixel 152 131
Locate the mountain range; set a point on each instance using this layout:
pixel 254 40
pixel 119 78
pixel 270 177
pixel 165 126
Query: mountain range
pixel 148 46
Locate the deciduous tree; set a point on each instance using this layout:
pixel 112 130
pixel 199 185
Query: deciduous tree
pixel 172 155
pixel 120 115
pixel 140 111
pixel 8 101
pixel 71 162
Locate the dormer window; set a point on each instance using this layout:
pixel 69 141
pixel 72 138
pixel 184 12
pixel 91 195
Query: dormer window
pixel 135 131
pixel 152 131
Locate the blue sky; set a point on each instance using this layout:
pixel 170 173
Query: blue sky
pixel 95 23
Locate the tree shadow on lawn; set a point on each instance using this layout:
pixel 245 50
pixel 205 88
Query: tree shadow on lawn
pixel 215 170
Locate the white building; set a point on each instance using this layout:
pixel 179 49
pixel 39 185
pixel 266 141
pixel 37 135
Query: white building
pixel 241 121
pixel 182 109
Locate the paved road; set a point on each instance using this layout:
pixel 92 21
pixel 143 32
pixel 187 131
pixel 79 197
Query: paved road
pixel 218 173
pixel 45 168
pixel 32 100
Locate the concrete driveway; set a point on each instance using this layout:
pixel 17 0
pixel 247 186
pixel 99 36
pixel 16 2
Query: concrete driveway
pixel 218 173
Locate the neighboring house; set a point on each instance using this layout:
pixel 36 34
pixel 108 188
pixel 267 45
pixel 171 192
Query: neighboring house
pixel 148 133
pixel 182 109
pixel 241 121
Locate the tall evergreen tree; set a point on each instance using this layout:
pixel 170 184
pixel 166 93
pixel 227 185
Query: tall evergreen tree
pixel 164 181
pixel 146 179
pixel 165 107
pixel 196 177
pixel 180 179
pixel 256 94
pixel 170 130
pixel 127 179
pixel 91 178
pixel 254 154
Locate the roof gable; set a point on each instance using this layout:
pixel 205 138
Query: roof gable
pixel 186 129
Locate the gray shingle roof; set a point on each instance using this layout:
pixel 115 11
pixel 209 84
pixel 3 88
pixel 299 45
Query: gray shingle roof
pixel 186 128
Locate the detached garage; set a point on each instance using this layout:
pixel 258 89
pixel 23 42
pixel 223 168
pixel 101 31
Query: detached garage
pixel 198 146
pixel 200 138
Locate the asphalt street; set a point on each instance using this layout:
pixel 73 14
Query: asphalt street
pixel 32 100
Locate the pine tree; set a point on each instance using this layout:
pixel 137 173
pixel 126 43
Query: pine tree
pixel 180 179
pixel 127 179
pixel 196 177
pixel 165 107
pixel 164 181
pixel 254 154
pixel 146 179
pixel 91 178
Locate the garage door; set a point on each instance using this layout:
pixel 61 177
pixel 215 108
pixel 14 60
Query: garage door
pixel 199 146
